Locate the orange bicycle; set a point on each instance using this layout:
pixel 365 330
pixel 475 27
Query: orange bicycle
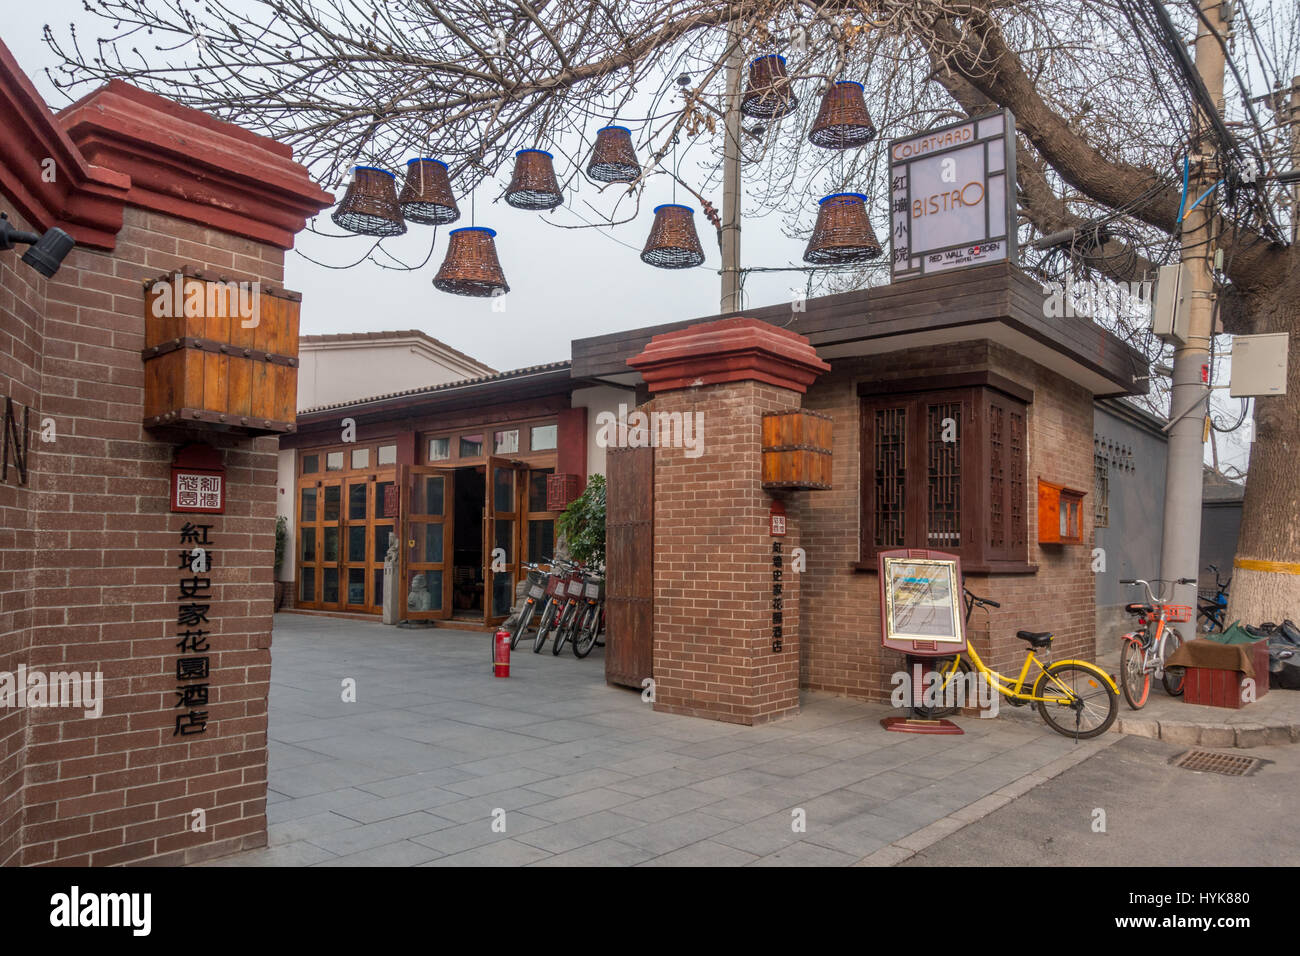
pixel 1143 652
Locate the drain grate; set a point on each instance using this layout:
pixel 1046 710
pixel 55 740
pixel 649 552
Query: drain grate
pixel 1207 761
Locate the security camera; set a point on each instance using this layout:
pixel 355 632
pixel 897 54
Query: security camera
pixel 46 252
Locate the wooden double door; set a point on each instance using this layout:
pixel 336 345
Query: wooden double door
pixel 343 531
pixel 435 575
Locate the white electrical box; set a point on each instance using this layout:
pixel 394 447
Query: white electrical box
pixel 1259 365
pixel 1169 312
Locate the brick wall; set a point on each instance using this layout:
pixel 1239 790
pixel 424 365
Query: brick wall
pixel 713 565
pixel 88 554
pixel 840 605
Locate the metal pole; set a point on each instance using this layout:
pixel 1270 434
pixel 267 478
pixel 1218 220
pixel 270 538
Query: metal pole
pixel 730 301
pixel 1181 546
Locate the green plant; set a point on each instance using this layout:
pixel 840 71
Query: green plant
pixel 583 523
pixel 281 539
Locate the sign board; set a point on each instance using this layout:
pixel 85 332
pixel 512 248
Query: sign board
pixel 776 519
pixel 952 197
pixel 198 480
pixel 1259 364
pixel 920 602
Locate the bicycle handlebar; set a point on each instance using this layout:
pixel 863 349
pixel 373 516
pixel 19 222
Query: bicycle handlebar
pixel 1155 598
pixel 975 599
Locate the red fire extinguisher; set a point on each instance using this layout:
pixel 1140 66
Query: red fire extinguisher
pixel 501 659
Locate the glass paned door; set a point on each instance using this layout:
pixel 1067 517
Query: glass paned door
pixel 426 519
pixel 502 535
pixel 320 545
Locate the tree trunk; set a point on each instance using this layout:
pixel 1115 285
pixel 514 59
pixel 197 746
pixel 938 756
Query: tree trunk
pixel 1266 575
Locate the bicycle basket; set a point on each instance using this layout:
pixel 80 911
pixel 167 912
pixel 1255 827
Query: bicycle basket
pixel 594 590
pixel 575 586
pixel 1177 612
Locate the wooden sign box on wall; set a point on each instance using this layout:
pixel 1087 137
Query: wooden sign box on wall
pixel 797 450
pixel 204 369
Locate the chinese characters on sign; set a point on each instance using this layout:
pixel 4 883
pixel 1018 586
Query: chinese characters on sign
pixel 195 602
pixel 778 599
pixel 952 192
pixel 198 492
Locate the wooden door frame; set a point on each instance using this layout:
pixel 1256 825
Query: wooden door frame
pixel 514 565
pixel 407 542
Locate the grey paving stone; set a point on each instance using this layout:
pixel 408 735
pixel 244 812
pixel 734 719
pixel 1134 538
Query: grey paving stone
pixel 370 835
pixel 300 828
pixel 667 804
pixel 466 836
pixel 762 836
pixel 500 853
pixel 703 853
pixel 608 852
pixel 676 832
pixel 570 835
pixel 401 853
pixel 580 804
pixel 577 782
pixel 806 854
pixel 300 853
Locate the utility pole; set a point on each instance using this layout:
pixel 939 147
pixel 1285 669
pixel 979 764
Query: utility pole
pixel 1189 403
pixel 731 176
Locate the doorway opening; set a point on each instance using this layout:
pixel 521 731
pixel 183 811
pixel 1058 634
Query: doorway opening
pixel 468 580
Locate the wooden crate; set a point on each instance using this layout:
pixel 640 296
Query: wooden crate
pixel 797 450
pixel 205 370
pixel 1216 687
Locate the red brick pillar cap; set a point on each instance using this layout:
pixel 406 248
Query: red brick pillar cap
pixel 729 350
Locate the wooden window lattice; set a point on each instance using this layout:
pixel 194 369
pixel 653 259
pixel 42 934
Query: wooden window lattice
pixel 997 532
pixel 891 476
pixel 943 476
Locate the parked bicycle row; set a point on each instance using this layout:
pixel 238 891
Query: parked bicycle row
pixel 566 603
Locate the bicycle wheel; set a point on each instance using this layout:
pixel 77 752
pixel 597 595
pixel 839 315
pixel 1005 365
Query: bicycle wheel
pixel 563 628
pixel 543 626
pixel 521 623
pixel 1174 678
pixel 585 639
pixel 947 691
pixel 1133 677
pixel 1087 706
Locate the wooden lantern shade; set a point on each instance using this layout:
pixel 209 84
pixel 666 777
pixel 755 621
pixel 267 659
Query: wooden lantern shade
pixel 426 195
pixel 613 159
pixel 843 121
pixel 1060 514
pixel 768 94
pixel 369 207
pixel 204 370
pixel 797 450
pixel 533 185
pixel 843 232
pixel 673 242
pixel 471 266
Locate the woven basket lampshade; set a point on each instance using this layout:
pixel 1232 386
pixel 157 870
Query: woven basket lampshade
pixel 426 195
pixel 613 160
pixel 843 121
pixel 768 94
pixel 673 243
pixel 533 186
pixel 369 207
pixel 843 233
pixel 471 266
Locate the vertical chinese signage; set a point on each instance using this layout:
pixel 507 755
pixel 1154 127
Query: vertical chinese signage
pixel 194 597
pixel 777 519
pixel 952 196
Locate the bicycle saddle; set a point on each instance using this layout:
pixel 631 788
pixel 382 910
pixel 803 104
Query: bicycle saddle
pixel 1036 638
pixel 1139 609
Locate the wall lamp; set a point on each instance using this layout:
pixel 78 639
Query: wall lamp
pixel 46 253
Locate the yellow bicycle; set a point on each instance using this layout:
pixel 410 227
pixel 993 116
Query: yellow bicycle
pixel 1075 698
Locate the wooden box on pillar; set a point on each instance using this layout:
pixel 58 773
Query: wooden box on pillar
pixel 797 450
pixel 220 354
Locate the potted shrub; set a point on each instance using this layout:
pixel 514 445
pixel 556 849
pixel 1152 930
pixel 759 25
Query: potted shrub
pixel 582 525
pixel 281 539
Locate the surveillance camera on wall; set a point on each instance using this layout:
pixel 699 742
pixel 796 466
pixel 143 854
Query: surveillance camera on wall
pixel 46 252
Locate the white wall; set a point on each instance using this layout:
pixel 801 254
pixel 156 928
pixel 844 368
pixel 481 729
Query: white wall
pixel 330 372
pixel 600 398
pixel 285 505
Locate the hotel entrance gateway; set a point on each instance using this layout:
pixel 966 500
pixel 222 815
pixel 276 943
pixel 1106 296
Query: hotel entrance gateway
pixel 459 473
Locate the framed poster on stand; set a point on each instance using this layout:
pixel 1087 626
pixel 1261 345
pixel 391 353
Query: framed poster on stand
pixel 920 602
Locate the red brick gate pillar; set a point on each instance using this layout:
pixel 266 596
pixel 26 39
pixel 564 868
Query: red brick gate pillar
pixel 714 654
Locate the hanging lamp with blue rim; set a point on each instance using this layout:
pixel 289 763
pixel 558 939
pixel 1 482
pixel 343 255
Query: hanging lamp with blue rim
pixel 471 266
pixel 426 195
pixel 369 207
pixel 843 233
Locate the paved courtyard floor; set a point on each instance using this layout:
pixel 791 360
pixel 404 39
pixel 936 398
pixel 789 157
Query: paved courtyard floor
pixel 438 763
